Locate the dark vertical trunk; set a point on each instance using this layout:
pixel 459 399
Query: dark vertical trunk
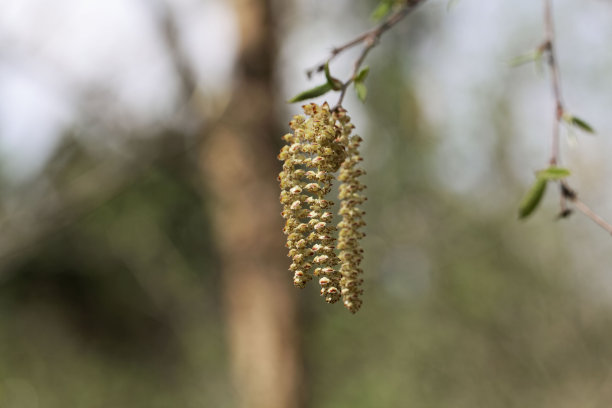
pixel 240 167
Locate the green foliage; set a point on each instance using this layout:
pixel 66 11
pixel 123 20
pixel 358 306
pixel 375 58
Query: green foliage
pixel 362 75
pixel 331 84
pixel 383 8
pixel 532 199
pixel 578 123
pixel 335 83
pixel 533 56
pixel 312 93
pixel 553 173
pixel 361 90
pixel 117 300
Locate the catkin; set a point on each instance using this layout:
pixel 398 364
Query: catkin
pixel 319 146
pixel 351 252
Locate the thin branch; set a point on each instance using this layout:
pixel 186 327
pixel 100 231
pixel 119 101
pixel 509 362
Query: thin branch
pixel 549 47
pixel 572 196
pixel 370 43
pixel 567 193
pixel 582 207
pixel 369 39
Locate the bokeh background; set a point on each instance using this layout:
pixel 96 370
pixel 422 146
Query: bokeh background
pixel 141 254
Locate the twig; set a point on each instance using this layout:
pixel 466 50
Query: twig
pixel 549 47
pixel 369 39
pixel 567 193
pixel 582 207
pixel 572 196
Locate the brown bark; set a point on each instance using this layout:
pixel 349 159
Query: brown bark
pixel 240 168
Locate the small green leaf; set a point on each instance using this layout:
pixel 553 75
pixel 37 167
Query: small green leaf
pixel 533 56
pixel 362 91
pixel 532 198
pixel 579 123
pixel 327 73
pixel 335 83
pixel 362 75
pixel 381 11
pixel 553 173
pixel 312 93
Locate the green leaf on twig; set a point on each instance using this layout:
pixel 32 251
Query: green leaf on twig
pixel 312 93
pixel 361 90
pixel 362 75
pixel 579 123
pixel 533 197
pixel 335 83
pixel 381 10
pixel 533 56
pixel 553 173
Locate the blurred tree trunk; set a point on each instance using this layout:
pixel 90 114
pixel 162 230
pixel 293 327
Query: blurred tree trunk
pixel 240 167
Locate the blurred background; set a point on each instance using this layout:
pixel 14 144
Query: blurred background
pixel 142 262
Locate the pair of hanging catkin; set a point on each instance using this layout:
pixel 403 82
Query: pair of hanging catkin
pixel 321 145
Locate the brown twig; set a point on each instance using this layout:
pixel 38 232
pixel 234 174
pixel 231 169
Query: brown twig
pixel 583 208
pixel 572 196
pixel 369 39
pixel 567 193
pixel 549 48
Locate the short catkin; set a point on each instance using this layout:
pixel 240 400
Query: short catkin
pixel 321 145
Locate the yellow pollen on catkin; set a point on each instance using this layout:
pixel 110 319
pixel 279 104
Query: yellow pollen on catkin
pixel 321 145
pixel 349 228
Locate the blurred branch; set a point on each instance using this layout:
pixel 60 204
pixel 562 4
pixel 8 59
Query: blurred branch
pixel 572 196
pixel 80 197
pixel 170 34
pixel 549 48
pixel 567 193
pixel 190 116
pixel 369 39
